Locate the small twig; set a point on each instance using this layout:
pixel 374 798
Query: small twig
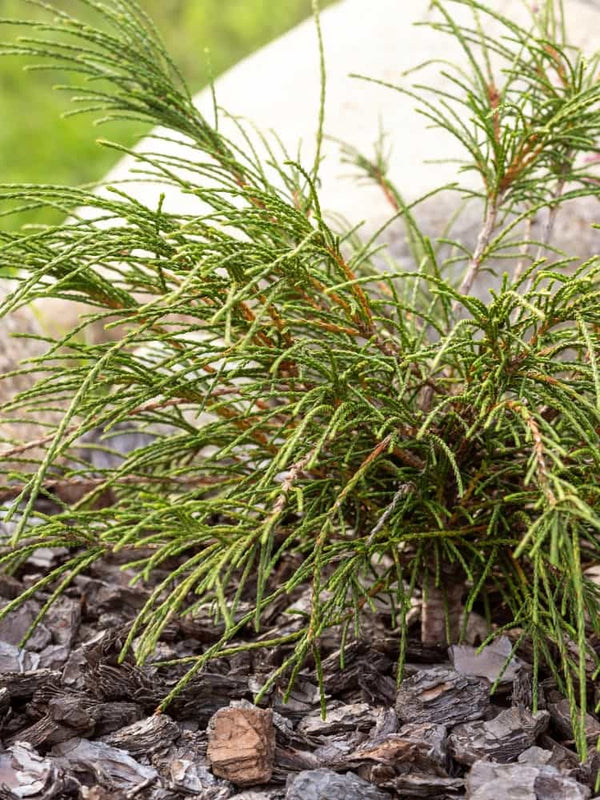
pixel 88 484
pixel 293 474
pixel 476 261
pixel 22 448
pixel 403 491
pixel 139 787
pixel 538 448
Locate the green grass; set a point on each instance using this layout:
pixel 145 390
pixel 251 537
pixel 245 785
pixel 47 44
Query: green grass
pixel 204 37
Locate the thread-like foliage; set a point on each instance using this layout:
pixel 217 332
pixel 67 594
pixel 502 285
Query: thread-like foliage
pixel 377 430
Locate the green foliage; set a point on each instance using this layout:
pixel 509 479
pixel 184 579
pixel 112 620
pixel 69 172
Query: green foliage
pixel 378 431
pixel 35 140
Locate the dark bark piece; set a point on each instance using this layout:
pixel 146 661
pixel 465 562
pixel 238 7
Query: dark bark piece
pixel 26 684
pixel 184 767
pixel 365 669
pixel 109 717
pixel 294 751
pixel 102 597
pixel 4 702
pixel 357 716
pixel 103 762
pixel 501 739
pixel 74 669
pixel 417 748
pixel 335 750
pixel 145 735
pixel 10 588
pixel 489 781
pixel 241 745
pixel 442 696
pixel 522 690
pixel 206 694
pixel 412 762
pixel 567 762
pixel 62 620
pixel 561 721
pixel 422 653
pixel 46 558
pixel 303 699
pixel 491 662
pixel 423 785
pixel 15 625
pixel 190 745
pixel 324 784
pixel 431 741
pixel 68 721
pixel 70 715
pixel 202 697
pixel 289 760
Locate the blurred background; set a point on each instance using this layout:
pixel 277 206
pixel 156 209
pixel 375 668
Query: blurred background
pixel 37 146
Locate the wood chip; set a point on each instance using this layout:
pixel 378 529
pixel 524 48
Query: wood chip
pixel 488 781
pixel 422 746
pixel 442 696
pixel 561 720
pixel 26 684
pixel 324 784
pixel 501 739
pixel 357 716
pixel 241 744
pixel 145 735
pixel 102 762
pixel 422 785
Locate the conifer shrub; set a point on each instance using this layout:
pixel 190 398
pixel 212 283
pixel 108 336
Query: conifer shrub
pixel 379 433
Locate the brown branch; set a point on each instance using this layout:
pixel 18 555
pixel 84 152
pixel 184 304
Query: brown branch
pixel 478 256
pixel 85 485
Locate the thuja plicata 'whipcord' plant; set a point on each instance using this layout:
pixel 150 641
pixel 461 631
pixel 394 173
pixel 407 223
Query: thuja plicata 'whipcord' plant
pixel 374 431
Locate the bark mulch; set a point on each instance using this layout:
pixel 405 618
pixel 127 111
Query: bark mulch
pixel 76 723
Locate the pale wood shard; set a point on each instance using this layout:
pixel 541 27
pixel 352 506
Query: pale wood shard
pixel 241 745
pixel 493 662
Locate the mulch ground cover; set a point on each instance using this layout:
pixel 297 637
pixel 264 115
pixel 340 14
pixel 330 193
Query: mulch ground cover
pixel 76 723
